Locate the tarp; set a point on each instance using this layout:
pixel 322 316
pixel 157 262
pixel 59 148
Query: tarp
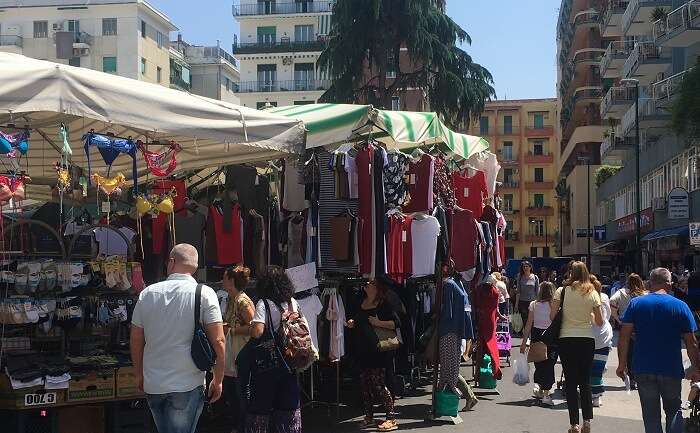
pixel 41 95
pixel 333 124
pixel 665 233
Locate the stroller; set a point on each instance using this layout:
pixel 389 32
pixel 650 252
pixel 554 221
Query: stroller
pixel 504 340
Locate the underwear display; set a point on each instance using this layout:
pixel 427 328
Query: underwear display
pixel 63 132
pixel 155 204
pixel 18 141
pixel 12 187
pixel 110 148
pixel 156 160
pixel 109 185
pixel 63 177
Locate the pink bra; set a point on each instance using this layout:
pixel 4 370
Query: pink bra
pixel 11 188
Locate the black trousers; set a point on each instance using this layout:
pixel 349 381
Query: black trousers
pixel 544 371
pixel 576 355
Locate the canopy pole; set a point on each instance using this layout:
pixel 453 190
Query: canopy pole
pixel 245 127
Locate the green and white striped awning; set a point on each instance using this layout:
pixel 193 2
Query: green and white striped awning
pixel 334 124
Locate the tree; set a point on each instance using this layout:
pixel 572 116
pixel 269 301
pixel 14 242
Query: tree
pixel 686 108
pixel 365 43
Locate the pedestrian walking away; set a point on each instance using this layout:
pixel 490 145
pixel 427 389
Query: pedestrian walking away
pixel 659 323
pixel 162 327
pixel 603 340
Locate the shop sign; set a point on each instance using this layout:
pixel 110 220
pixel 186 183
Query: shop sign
pixel 627 225
pixel 694 230
pixel 599 233
pixel 678 207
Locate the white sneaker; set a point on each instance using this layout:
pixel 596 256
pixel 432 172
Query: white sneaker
pixel 547 400
pixel 537 392
pixel 597 401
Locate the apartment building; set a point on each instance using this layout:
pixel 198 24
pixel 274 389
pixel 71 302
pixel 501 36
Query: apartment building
pixel 278 49
pixel 523 135
pixel 654 55
pixel 580 88
pixel 123 37
pixel 207 71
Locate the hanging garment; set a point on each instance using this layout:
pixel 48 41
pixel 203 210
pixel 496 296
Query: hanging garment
pixel 443 246
pixel 366 205
pixel 66 150
pixel 465 240
pixel 336 316
pixel 110 148
pixel 488 163
pixel 189 229
pixel 294 192
pixel 490 215
pixel 486 250
pixel 470 191
pixel 227 247
pixel 379 212
pixel 273 229
pixel 12 188
pixel 424 231
pixel 295 244
pixel 312 246
pixel 395 187
pixel 253 189
pixel 112 243
pixel 155 161
pixel 17 142
pixel 399 240
pixel 486 305
pixel 159 223
pixel 443 193
pixel 109 185
pixel 420 176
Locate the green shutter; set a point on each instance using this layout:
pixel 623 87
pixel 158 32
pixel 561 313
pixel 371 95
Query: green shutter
pixel 109 64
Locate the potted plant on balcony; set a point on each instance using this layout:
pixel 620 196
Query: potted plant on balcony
pixel 657 14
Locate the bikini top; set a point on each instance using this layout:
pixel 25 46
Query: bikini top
pixel 110 148
pixel 12 188
pixel 63 132
pixel 155 203
pixel 19 141
pixel 155 160
pixel 109 185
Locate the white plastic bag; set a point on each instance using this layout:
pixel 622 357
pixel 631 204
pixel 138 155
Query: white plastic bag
pixel 521 369
pixel 516 323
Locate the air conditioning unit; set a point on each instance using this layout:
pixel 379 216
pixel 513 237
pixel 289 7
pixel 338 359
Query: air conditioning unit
pixel 659 203
pixel 58 26
pixel 81 52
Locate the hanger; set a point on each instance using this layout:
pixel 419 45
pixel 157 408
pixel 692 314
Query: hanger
pixel 417 153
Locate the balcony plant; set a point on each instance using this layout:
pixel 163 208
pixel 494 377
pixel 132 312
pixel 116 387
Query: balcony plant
pixel 604 173
pixel 657 14
pixel 686 109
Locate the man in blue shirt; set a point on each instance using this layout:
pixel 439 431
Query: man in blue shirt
pixel 659 322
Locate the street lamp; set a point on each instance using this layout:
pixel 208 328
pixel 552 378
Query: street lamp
pixel 637 149
pixel 587 160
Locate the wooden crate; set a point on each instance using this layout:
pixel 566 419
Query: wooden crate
pixel 93 387
pixel 17 398
pixel 126 383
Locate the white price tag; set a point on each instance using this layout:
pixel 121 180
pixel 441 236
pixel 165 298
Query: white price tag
pixel 412 179
pixel 404 236
pixel 466 192
pixel 40 399
pixel 105 207
pixel 257 180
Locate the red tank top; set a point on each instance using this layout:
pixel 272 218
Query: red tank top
pixel 229 246
pixel 470 191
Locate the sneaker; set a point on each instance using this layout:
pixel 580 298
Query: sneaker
pixel 685 405
pixel 597 401
pixel 547 400
pixel 388 425
pixel 537 392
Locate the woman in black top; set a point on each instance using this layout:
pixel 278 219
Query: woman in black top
pixel 374 312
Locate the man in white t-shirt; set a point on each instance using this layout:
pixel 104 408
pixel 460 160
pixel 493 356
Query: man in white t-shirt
pixel 161 337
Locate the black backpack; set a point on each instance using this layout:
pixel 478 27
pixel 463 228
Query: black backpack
pixel 202 353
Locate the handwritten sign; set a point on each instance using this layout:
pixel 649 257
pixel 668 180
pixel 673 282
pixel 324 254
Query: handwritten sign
pixel 303 277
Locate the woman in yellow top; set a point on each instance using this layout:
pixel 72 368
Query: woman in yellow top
pixel 576 342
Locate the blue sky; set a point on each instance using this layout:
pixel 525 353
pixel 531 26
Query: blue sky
pixel 514 39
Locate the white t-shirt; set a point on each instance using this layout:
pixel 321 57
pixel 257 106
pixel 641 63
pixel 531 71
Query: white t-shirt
pixel 424 235
pixel 165 311
pixel 353 178
pixel 260 315
pixel 311 307
pixel 621 299
pixel 540 313
pixel 603 334
pixel 502 292
pixel 111 244
pixel 294 190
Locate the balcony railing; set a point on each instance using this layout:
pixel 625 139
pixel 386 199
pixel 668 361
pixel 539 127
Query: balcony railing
pixel 284 86
pixel 586 17
pixel 539 131
pixel 177 82
pixel 593 55
pixel 664 90
pixel 541 158
pixel 508 130
pixel 616 96
pixel 588 92
pixel 539 211
pixel 280 47
pixel 539 185
pixel 634 7
pixel 613 7
pixel 512 236
pixel 641 53
pixel 9 40
pixel 273 8
pixel 678 20
pixel 83 38
pixel 510 184
pixel 616 50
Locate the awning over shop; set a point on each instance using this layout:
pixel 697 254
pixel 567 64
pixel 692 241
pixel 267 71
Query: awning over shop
pixel 603 248
pixel 665 233
pixel 333 124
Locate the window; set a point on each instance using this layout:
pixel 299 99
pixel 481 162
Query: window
pixel 303 102
pixel 537 227
pixel 508 175
pixel 508 202
pixel 41 29
pixel 484 125
pixel 227 84
pixel 264 104
pixel 74 26
pixel 533 251
pixel 538 148
pixel 539 200
pixel 539 121
pixel 143 66
pixel 109 26
pixel 74 61
pixel 508 151
pixel 539 175
pixel 109 64
pixel 267 77
pixel 304 76
pixel 159 74
pixel 507 124
pixel 304 33
pixel 143 28
pixel 161 39
pixel 395 103
pixel 545 251
pixel 267 35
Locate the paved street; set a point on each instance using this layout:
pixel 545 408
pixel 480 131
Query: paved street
pixel 514 411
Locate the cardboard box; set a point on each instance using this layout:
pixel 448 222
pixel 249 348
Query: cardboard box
pixel 93 387
pixel 35 397
pixel 127 383
pixel 88 419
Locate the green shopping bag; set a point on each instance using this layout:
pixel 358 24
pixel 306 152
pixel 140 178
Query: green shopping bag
pixel 446 403
pixel 486 379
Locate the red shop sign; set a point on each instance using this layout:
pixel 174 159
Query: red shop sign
pixel 627 224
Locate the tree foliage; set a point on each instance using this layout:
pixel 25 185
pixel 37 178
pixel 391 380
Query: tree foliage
pixel 604 173
pixel 365 43
pixel 686 108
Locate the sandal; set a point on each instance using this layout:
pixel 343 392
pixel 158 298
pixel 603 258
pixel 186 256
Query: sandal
pixel 367 422
pixel 388 425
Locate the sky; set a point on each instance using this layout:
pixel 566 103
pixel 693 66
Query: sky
pixel 513 39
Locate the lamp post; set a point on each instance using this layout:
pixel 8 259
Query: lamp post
pixel 587 160
pixel 637 150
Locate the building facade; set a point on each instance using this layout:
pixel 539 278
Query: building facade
pixel 579 90
pixel 523 134
pixel 123 37
pixel 655 54
pixel 278 50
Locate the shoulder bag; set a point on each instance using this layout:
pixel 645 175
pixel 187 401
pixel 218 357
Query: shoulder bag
pixel 266 353
pixel 550 337
pixel 202 352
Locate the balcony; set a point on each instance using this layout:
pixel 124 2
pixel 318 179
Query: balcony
pixel 509 184
pixel 284 46
pixel 508 209
pixel 665 90
pixel 588 94
pixel 650 116
pixel 614 148
pixel 544 185
pixel 635 20
pixel 586 19
pixel 646 62
pixel 284 86
pixel 508 161
pixel 588 56
pixel 616 101
pixel 680 28
pixel 272 8
pixel 612 17
pixel 508 130
pixel 176 82
pixel 512 236
pixel 614 58
pixel 11 43
pixel 545 158
pixel 539 239
pixel 539 211
pixel 539 131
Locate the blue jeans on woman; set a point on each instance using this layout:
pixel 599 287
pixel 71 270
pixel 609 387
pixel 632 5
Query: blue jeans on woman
pixel 177 412
pixel 653 390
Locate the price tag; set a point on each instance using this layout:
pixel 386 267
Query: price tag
pixel 466 192
pixel 404 236
pixel 412 179
pixel 40 399
pixel 257 180
pixel 105 207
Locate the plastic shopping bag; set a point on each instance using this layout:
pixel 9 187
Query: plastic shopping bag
pixel 522 370
pixel 516 323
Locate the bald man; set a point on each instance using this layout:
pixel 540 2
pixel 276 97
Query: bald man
pixel 161 336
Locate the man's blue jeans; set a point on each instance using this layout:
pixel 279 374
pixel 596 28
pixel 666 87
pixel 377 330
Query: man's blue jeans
pixel 177 412
pixel 654 389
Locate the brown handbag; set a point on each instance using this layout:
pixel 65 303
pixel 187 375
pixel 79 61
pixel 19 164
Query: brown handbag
pixel 388 339
pixel 537 352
